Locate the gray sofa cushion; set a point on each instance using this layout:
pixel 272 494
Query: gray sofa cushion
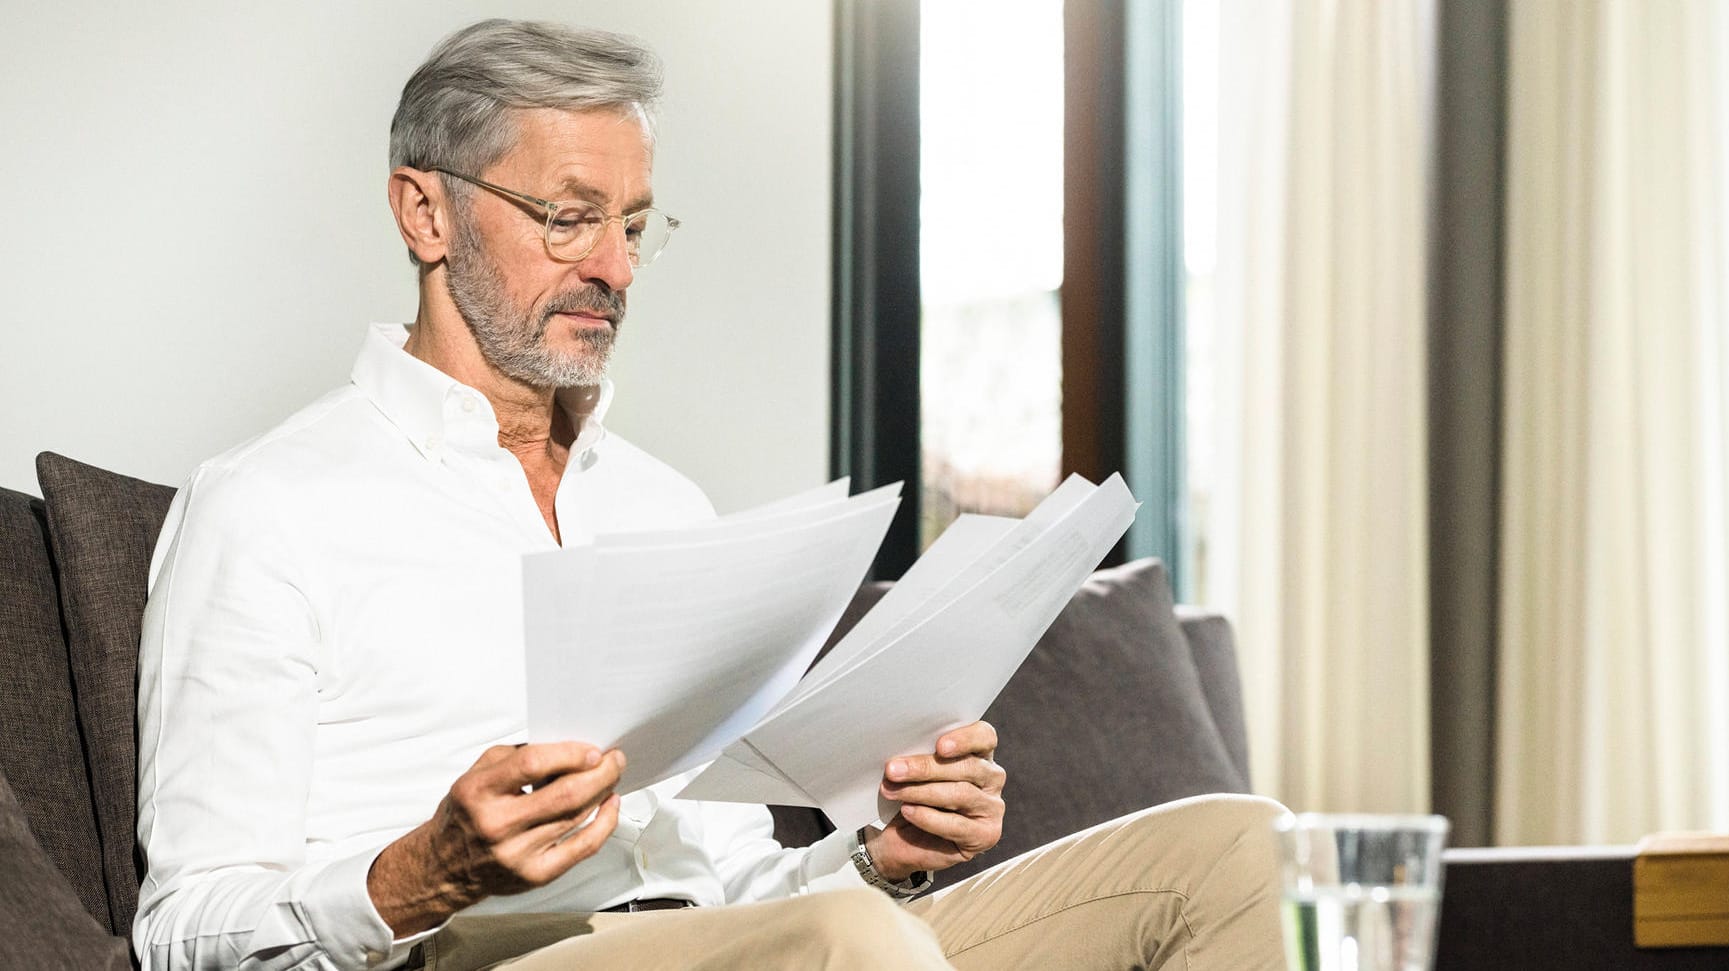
pixel 103 526
pixel 39 746
pixel 43 925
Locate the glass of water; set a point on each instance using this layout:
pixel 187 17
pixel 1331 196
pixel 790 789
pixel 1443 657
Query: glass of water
pixel 1361 892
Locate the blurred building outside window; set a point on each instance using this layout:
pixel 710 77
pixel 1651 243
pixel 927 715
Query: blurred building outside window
pixel 991 256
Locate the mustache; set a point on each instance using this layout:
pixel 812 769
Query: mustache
pixel 590 299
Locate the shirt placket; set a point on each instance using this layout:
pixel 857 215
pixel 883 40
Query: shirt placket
pixel 495 473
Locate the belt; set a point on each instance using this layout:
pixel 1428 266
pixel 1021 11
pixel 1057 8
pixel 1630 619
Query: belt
pixel 649 903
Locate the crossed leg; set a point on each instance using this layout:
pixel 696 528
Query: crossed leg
pixel 1187 886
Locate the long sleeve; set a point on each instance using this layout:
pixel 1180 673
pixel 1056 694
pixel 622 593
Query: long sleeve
pixel 753 866
pixel 229 669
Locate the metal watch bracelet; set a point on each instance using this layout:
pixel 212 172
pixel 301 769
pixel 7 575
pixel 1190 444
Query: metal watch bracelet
pixel 907 889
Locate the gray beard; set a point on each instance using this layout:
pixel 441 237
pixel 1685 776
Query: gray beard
pixel 512 339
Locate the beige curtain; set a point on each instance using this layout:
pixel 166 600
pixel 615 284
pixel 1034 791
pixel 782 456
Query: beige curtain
pixel 1614 667
pixel 1317 532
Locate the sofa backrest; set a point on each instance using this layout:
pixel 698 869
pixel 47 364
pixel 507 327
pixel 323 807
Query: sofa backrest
pixel 1120 706
pixel 102 528
pixel 40 750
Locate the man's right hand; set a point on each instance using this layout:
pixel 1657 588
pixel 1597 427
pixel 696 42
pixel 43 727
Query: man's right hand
pixel 490 836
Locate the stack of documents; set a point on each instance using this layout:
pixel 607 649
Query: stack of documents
pixel 684 647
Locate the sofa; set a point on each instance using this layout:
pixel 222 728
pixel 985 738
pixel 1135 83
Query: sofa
pixel 1125 702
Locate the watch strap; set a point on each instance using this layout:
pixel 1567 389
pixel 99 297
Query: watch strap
pixel 907 889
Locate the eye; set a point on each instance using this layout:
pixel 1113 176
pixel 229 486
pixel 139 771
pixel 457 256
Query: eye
pixel 572 219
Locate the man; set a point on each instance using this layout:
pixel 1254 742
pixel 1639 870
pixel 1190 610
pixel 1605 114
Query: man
pixel 332 771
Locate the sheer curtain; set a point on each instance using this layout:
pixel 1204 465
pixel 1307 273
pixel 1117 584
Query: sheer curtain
pixel 1318 525
pixel 1614 627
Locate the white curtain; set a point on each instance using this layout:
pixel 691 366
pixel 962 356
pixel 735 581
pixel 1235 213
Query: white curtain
pixel 1614 628
pixel 1317 530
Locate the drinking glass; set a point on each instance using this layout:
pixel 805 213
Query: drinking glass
pixel 1361 892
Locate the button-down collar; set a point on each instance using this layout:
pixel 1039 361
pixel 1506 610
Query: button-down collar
pixel 435 411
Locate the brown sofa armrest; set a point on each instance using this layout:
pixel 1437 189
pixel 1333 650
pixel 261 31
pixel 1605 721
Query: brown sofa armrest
pixel 42 923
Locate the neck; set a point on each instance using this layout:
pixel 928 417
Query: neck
pixel 529 419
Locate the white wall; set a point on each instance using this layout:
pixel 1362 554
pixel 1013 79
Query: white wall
pixel 193 229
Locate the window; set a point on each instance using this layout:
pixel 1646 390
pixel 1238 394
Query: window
pixel 1008 266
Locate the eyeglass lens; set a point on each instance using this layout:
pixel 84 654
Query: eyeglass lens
pixel 575 230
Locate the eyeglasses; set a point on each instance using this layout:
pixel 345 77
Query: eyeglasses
pixel 574 229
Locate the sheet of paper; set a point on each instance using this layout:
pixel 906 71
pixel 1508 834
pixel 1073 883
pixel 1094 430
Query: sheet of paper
pixel 984 547
pixel 962 543
pixel 670 646
pixel 939 675
pixel 814 506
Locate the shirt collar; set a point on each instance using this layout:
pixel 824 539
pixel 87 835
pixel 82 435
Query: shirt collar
pixel 436 411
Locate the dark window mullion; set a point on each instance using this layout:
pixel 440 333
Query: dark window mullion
pixel 876 309
pixel 1122 262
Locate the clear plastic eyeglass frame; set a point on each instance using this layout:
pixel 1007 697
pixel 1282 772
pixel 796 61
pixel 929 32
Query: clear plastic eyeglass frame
pixel 568 222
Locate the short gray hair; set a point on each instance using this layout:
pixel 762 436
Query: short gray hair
pixel 457 109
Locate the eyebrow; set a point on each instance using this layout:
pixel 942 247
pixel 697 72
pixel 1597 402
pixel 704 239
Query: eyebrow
pixel 577 189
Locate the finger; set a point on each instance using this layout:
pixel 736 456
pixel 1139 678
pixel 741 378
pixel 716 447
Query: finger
pixel 564 845
pixel 979 771
pixel 533 764
pixel 965 832
pixel 920 850
pixel 568 794
pixel 955 797
pixel 979 738
pixel 494 755
pixel 915 848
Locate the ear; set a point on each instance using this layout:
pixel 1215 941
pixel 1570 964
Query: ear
pixel 422 211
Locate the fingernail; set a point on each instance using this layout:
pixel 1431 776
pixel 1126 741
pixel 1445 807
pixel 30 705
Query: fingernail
pixel 592 759
pixel 897 769
pixel 946 748
pixel 622 761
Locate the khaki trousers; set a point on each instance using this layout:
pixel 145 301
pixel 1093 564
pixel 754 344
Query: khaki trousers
pixel 1192 884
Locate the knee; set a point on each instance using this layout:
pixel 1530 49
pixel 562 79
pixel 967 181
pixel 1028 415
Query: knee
pixel 1214 832
pixel 863 928
pixel 1223 820
pixel 1233 844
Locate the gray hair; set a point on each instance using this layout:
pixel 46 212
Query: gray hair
pixel 457 109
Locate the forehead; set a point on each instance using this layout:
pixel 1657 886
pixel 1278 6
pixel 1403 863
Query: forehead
pixel 604 151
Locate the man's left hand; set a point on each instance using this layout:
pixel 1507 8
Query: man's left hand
pixel 951 805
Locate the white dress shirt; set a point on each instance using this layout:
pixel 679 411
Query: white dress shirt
pixel 334 635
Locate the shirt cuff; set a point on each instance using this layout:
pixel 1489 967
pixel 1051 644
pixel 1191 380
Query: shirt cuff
pixel 346 923
pixel 828 864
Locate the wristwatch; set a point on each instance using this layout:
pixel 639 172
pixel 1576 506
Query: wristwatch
pixel 907 889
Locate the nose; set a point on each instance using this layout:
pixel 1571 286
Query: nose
pixel 609 261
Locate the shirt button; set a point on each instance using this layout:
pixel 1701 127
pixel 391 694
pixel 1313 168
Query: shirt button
pixel 433 441
pixel 468 403
pixel 374 957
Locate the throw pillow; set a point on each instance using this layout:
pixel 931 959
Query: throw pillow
pixel 103 526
